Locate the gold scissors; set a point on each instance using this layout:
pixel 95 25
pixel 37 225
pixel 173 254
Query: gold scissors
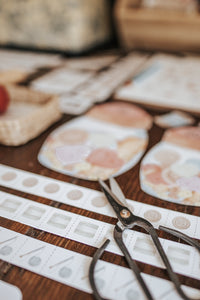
pixel 127 220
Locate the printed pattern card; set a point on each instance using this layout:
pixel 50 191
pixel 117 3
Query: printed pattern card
pixel 167 81
pixel 171 169
pixel 108 140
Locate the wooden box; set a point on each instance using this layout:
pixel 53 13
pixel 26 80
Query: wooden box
pixel 141 28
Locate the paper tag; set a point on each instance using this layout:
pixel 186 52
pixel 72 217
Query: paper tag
pixel 78 90
pixel 185 259
pixel 171 169
pixel 90 148
pixel 72 269
pixel 166 81
pixel 92 200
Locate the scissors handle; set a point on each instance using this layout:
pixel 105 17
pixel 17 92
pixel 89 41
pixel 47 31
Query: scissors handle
pixel 152 232
pixel 118 232
pixel 130 262
pixel 182 236
pixel 95 258
pixel 118 236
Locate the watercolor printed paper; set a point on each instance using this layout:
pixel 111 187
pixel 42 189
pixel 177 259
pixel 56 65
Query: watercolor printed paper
pixel 171 169
pixel 167 81
pixel 108 140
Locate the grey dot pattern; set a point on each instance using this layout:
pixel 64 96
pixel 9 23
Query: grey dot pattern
pixel 65 272
pixel 6 250
pixel 132 295
pixel 99 283
pixel 34 261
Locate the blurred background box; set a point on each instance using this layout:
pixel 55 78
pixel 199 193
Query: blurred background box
pixel 68 25
pixel 158 24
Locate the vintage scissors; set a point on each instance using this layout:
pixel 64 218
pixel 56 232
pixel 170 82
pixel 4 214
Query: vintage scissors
pixel 127 220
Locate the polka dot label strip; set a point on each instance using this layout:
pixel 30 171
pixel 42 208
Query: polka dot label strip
pixel 72 269
pixel 93 200
pixel 185 260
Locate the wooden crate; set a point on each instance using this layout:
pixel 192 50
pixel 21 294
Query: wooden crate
pixel 140 28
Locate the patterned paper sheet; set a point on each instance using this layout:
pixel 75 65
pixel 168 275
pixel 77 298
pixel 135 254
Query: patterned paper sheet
pixel 109 140
pixel 171 169
pixel 166 81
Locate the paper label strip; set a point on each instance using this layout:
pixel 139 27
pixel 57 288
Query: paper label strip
pixel 93 200
pixel 185 259
pixel 15 60
pixel 9 291
pixel 71 268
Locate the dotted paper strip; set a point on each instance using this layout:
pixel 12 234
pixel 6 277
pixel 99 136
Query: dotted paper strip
pixel 93 200
pixel 185 259
pixel 71 268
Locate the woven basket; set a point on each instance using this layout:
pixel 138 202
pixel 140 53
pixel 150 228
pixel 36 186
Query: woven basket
pixel 37 112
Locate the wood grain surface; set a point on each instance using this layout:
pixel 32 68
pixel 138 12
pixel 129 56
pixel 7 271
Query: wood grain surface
pixel 35 287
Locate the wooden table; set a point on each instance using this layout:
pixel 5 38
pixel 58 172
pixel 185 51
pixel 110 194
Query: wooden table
pixel 37 287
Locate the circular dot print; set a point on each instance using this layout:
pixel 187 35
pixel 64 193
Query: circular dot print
pixel 51 188
pixel 181 223
pixel 132 295
pixel 74 195
pixel 99 202
pixel 8 176
pixel 6 250
pixel 30 182
pixel 152 215
pixel 65 272
pixel 34 261
pixel 100 283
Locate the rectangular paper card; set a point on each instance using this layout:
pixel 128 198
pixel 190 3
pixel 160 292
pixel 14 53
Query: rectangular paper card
pixel 166 81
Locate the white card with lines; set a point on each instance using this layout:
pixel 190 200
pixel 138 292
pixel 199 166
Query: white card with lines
pixel 72 269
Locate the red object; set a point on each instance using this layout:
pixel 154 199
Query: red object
pixel 4 99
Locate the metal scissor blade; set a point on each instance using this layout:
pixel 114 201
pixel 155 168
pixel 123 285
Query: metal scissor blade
pixel 115 188
pixel 110 193
pixel 123 213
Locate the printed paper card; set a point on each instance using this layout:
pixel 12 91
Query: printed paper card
pixel 108 140
pixel 166 81
pixel 171 170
